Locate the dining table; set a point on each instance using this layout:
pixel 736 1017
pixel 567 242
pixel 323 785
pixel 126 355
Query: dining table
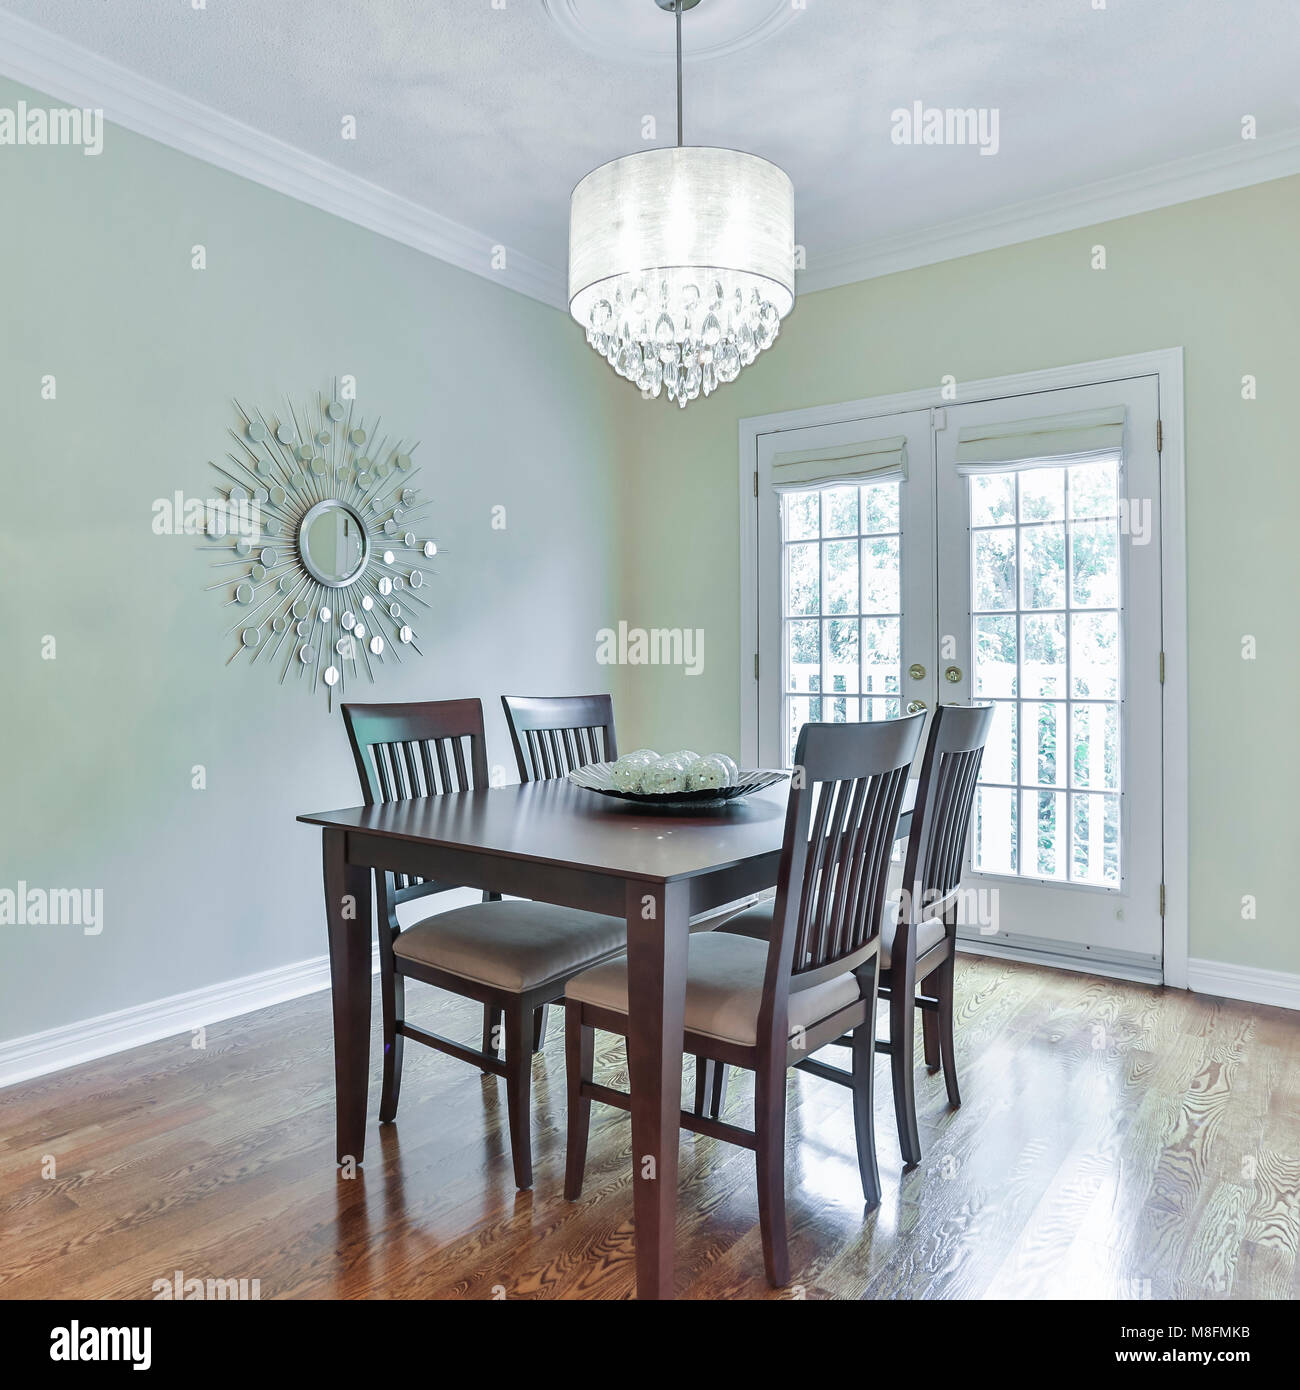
pixel 554 842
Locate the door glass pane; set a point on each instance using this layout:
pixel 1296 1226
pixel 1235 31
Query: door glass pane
pixel 1046 641
pixel 880 656
pixel 879 504
pixel 992 499
pixel 1042 566
pixel 842 621
pixel 840 657
pixel 1045 742
pixel 1045 833
pixel 802 582
pixel 995 835
pixel 999 763
pixel 803 664
pixel 840 577
pixel 1096 839
pixel 1095 758
pixel 880 576
pixel 840 511
pixel 995 569
pixel 996 667
pixel 1094 565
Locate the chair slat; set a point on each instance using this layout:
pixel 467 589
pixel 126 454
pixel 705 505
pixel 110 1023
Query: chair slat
pixel 554 735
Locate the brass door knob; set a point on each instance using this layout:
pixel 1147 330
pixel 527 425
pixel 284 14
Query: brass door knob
pixel 953 674
pixel 916 671
pixel 916 706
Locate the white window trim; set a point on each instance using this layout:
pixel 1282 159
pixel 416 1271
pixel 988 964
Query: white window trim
pixel 1167 364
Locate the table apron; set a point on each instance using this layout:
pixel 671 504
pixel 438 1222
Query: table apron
pixel 566 885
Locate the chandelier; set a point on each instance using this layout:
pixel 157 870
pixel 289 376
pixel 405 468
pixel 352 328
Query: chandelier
pixel 681 260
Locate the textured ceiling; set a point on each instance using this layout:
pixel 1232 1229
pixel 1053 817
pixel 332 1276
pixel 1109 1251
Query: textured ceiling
pixel 488 111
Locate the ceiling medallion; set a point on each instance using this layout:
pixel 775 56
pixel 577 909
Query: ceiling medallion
pixel 681 260
pixel 623 32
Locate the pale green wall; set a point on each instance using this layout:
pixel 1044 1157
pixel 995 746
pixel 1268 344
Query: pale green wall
pixel 617 508
pixel 1219 277
pixel 96 287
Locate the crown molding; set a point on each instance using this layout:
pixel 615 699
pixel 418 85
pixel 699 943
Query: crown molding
pixel 54 65
pixel 1162 185
pixel 66 71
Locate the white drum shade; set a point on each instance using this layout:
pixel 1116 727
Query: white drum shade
pixel 681 264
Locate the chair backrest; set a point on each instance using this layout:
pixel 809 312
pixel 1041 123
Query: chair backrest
pixel 553 734
pixel 410 750
pixel 846 794
pixel 945 794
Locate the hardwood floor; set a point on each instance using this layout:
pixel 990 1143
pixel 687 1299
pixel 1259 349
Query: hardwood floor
pixel 1116 1141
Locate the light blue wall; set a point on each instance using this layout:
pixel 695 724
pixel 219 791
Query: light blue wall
pixel 97 288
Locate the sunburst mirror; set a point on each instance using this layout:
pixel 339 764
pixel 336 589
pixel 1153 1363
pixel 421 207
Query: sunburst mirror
pixel 319 533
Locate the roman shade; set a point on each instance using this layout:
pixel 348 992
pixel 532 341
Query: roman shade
pixel 870 461
pixel 1009 446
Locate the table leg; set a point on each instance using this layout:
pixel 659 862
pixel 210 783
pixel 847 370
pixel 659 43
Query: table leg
pixel 658 928
pixel 347 911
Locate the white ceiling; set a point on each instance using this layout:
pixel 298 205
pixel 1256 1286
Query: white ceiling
pixel 488 115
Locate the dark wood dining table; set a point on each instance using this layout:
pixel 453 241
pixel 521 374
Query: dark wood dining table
pixel 553 842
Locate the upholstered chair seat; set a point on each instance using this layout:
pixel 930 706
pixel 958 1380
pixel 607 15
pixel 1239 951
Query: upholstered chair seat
pixel 511 945
pixel 724 989
pixel 756 922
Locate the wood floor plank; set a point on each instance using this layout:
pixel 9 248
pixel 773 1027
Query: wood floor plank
pixel 1116 1141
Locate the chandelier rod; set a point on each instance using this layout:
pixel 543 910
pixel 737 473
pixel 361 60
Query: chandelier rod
pixel 678 10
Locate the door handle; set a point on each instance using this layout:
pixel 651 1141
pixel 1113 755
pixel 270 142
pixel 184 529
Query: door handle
pixel 952 674
pixel 916 707
pixel 916 671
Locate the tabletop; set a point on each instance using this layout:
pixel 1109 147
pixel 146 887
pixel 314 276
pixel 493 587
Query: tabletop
pixel 555 822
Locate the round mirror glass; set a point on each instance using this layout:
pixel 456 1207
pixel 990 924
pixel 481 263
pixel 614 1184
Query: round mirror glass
pixel 333 544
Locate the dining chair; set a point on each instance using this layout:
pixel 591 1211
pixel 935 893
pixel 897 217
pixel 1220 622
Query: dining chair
pixel 514 957
pixel 554 734
pixel 919 934
pixel 768 1005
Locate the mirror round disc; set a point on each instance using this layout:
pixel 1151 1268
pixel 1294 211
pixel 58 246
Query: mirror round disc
pixel 333 543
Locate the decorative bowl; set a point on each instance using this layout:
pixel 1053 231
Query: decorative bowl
pixel 595 777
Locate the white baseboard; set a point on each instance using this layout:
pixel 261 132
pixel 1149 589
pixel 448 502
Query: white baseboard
pixel 41 1053
pixel 66 1046
pixel 1248 982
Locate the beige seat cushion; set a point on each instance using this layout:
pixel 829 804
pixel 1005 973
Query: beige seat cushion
pixel 757 923
pixel 512 945
pixel 724 988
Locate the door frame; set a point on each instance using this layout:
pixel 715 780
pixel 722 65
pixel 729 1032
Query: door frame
pixel 1167 365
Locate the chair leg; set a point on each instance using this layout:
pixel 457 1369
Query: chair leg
pixel 902 1027
pixel 519 1078
pixel 579 1060
pixel 491 1022
pixel 392 989
pixel 719 1097
pixel 930 1039
pixel 769 1117
pixel 943 978
pixel 864 1100
pixel 703 1084
pixel 539 1028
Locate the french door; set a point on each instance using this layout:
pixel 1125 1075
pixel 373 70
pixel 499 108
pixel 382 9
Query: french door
pixel 847 598
pixel 1032 582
